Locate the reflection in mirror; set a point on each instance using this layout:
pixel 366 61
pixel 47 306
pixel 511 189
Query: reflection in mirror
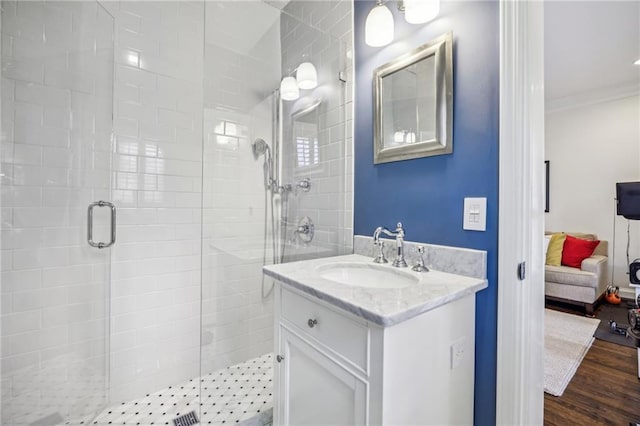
pixel 306 136
pixel 410 105
pixel 413 101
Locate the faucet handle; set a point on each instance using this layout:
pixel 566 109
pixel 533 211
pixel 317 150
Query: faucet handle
pixel 420 266
pixel 380 257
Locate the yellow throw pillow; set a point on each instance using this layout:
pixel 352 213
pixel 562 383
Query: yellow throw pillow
pixel 554 252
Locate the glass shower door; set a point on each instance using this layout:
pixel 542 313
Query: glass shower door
pixel 273 170
pixel 57 85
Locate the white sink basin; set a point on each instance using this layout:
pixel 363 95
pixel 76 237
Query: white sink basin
pixel 366 275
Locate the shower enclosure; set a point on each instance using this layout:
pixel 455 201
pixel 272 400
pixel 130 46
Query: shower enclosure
pixel 160 127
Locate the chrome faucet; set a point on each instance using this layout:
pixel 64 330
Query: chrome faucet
pixel 399 261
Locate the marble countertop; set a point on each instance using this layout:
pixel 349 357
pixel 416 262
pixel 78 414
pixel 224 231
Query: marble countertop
pixel 382 306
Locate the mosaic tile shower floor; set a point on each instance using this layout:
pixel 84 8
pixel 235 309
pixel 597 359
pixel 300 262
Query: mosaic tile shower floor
pixel 238 395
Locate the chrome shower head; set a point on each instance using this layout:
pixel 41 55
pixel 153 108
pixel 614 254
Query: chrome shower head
pixel 260 147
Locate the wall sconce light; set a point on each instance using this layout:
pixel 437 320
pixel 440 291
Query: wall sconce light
pixel 289 89
pixel 379 27
pixel 637 62
pixel 306 78
pixel 421 11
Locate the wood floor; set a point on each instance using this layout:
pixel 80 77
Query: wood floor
pixel 604 391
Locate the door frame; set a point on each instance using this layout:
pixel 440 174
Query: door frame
pixel 520 346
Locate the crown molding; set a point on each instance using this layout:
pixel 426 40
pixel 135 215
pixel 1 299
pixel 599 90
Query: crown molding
pixel 592 97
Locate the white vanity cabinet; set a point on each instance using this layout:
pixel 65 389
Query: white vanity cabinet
pixel 315 388
pixel 335 368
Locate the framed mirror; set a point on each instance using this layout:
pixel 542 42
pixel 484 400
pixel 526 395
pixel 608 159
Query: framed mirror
pixel 413 103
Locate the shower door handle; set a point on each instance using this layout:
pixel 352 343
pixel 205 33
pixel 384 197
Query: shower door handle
pixel 101 245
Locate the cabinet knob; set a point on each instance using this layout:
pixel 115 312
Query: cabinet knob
pixel 312 322
pixel 279 358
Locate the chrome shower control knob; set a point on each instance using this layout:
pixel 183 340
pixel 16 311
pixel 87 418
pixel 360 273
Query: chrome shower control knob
pixel 305 230
pixel 305 185
pixel 279 358
pixel 312 322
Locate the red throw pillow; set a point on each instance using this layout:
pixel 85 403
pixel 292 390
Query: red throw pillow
pixel 575 250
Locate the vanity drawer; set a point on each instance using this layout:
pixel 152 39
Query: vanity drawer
pixel 345 336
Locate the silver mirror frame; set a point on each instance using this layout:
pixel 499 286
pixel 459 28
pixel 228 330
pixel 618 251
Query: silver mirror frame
pixel 442 49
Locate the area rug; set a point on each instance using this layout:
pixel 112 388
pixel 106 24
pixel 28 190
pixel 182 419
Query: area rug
pixel 567 338
pixel 617 313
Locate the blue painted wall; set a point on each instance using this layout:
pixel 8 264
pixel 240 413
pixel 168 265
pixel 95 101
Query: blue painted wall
pixel 427 194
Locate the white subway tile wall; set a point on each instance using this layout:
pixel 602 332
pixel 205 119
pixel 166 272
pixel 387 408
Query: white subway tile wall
pixel 240 235
pixel 242 70
pixel 57 82
pixel 191 88
pixel 157 183
pixel 320 32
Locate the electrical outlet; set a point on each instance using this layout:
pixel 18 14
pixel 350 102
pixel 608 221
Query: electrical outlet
pixel 458 352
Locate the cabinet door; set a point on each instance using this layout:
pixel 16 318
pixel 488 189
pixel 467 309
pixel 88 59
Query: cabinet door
pixel 315 390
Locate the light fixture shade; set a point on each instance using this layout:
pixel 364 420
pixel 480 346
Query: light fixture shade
pixel 378 28
pixel 421 11
pixel 289 89
pixel 307 76
pixel 637 62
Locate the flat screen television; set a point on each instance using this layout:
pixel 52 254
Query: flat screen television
pixel 628 200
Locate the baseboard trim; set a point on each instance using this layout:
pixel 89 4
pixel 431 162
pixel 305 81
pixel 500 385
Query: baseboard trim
pixel 628 293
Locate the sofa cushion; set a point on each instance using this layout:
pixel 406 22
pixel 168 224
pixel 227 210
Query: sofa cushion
pixel 570 276
pixel 602 249
pixel 583 236
pixel 554 251
pixel 575 250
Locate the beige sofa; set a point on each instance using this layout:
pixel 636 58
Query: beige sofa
pixel 584 286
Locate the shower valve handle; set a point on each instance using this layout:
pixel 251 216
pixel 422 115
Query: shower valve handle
pixel 305 185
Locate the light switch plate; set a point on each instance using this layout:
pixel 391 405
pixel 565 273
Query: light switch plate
pixel 475 214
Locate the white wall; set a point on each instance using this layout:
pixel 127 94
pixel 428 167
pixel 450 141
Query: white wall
pixel 591 147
